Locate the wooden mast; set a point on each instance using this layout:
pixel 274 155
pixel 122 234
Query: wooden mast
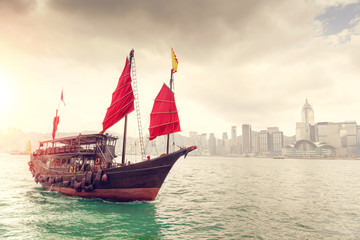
pixel 168 136
pixel 125 122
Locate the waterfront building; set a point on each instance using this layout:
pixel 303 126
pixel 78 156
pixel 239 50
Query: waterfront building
pixel 234 144
pixel 263 142
pixel 227 147
pixel 256 142
pixel 212 144
pixel 348 135
pixel 233 135
pixel 278 142
pixel 358 141
pixel 246 134
pixel 203 144
pixel 192 138
pixel 271 141
pixel 329 133
pixel 220 147
pixel 225 136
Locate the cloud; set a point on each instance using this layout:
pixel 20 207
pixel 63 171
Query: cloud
pixel 339 17
pixel 239 61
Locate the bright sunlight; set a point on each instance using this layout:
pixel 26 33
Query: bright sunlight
pixel 5 93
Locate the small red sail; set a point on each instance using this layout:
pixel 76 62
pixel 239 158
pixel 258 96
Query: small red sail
pixel 164 117
pixel 122 102
pixel 55 124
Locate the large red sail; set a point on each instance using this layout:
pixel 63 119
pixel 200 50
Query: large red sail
pixel 122 102
pixel 164 117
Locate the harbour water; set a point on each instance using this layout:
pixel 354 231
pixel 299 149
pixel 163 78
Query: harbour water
pixel 202 198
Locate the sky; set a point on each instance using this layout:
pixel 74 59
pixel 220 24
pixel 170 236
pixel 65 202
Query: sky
pixel 240 62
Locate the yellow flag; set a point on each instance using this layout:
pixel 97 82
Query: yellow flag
pixel 174 61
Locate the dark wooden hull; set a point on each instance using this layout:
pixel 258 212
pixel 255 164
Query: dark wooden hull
pixel 136 182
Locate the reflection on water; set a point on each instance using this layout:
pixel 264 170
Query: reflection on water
pixel 76 217
pixel 29 211
pixel 201 198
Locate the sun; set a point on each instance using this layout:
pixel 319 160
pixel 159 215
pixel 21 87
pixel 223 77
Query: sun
pixel 5 93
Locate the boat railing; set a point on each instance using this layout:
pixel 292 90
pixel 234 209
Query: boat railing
pixel 66 149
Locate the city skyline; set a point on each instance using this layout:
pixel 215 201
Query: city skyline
pixel 241 62
pixel 316 139
pixel 227 129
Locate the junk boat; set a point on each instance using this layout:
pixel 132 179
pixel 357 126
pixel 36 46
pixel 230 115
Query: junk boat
pixel 85 166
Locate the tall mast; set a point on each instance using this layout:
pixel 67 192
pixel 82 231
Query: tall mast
pixel 168 136
pixel 125 122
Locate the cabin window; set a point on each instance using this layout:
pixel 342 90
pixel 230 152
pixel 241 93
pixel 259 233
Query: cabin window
pixel 111 142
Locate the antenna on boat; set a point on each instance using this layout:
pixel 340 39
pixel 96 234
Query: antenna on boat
pixel 173 70
pixel 168 136
pixel 164 118
pixel 125 122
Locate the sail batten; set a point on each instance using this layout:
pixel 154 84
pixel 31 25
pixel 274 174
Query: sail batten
pixel 162 113
pixel 122 102
pixel 119 111
pixel 164 101
pixel 117 89
pixel 164 117
pixel 165 124
pixel 121 99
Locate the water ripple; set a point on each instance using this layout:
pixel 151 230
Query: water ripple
pixel 202 198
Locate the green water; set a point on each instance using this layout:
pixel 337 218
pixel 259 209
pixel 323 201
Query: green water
pixel 202 198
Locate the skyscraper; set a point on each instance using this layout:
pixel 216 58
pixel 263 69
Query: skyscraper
pixel 246 134
pixel 233 135
pixel 303 128
pixel 212 144
pixel 263 141
pixel 307 114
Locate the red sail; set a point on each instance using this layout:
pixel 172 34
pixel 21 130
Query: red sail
pixel 122 102
pixel 55 124
pixel 164 117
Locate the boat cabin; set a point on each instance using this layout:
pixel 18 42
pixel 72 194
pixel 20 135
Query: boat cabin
pixel 78 153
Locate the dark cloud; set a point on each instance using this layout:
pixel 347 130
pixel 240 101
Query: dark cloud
pixel 171 13
pixel 190 25
pixel 232 32
pixel 18 6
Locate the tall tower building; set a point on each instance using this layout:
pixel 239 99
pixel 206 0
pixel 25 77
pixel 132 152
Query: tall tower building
pixel 303 128
pixel 233 135
pixel 307 115
pixel 246 134
pixel 212 144
pixel 263 141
